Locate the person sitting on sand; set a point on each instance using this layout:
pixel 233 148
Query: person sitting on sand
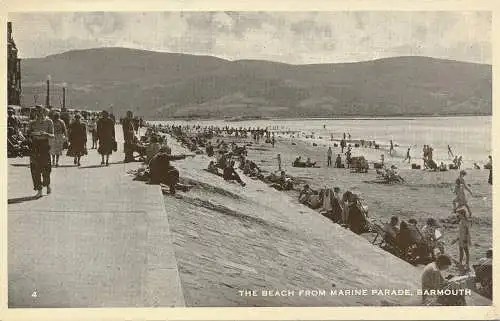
pixel 442 167
pixel 338 161
pixel 309 163
pixel 209 149
pixel 464 239
pixel 431 237
pixel 432 279
pixel 231 175
pixel 221 161
pixel 304 194
pixel 161 172
pixel 298 162
pixel 212 168
pixel 282 183
pixel 404 238
pixel 392 227
pixel 152 148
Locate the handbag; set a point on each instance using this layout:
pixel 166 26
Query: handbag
pixel 115 146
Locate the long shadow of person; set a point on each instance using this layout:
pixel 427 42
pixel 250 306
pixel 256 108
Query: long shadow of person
pixel 22 199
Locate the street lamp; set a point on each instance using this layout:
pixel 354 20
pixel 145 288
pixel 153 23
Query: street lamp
pixel 47 98
pixel 64 96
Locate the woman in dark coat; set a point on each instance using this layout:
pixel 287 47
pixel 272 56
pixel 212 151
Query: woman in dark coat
pixel 106 137
pixel 77 139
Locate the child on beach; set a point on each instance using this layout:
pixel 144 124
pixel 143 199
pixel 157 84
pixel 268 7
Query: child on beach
pixel 464 239
pixel 460 199
pixel 408 157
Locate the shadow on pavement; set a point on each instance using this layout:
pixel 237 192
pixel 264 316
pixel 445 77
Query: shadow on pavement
pixel 22 199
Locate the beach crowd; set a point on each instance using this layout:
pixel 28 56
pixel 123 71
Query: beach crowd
pixel 50 133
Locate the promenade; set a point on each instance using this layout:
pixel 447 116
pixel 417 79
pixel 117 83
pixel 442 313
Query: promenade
pixel 99 240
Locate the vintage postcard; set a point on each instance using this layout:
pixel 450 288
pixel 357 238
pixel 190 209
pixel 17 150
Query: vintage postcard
pixel 249 157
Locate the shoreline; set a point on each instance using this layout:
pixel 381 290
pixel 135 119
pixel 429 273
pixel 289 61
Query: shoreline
pixel 354 117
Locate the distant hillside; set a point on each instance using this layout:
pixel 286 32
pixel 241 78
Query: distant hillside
pixel 164 85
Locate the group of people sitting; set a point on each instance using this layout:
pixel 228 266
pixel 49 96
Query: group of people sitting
pixel 345 209
pixel 298 162
pixel 390 174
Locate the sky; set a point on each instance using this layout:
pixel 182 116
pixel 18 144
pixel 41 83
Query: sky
pixel 289 37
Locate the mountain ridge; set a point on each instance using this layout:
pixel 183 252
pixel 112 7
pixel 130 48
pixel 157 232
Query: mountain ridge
pixel 164 85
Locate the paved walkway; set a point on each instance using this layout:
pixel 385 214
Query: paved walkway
pixel 99 240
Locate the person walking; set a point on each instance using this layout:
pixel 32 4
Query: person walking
pixel 128 136
pixel 77 139
pixel 450 152
pixel 40 130
pixel 329 156
pixel 106 137
pixel 60 136
pixel 279 162
pixel 92 127
pixel 391 148
pixel 408 157
pixel 490 167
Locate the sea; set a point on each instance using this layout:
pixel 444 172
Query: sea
pixel 468 136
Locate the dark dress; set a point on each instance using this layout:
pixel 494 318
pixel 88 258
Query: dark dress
pixel 77 139
pixel 106 136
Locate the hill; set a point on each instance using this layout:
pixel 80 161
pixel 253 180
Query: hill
pixel 164 85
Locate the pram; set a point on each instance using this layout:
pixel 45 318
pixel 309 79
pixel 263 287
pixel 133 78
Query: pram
pixel 17 146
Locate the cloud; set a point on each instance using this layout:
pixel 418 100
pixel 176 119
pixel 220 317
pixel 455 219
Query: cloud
pixel 292 37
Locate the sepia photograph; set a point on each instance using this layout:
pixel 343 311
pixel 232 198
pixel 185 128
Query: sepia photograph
pixel 249 159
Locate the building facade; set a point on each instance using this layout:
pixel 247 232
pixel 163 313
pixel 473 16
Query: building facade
pixel 13 70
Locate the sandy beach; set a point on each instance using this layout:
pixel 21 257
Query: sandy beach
pixel 425 193
pixel 229 238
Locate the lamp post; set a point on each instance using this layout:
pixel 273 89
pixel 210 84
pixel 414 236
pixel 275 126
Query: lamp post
pixel 47 98
pixel 64 97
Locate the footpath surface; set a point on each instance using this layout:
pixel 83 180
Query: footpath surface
pixel 99 240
